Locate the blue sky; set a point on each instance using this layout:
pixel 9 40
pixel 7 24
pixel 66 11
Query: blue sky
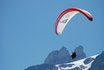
pixel 27 30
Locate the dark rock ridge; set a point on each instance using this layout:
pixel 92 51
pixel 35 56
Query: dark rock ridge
pixel 66 65
pixel 82 67
pixel 88 60
pixel 98 63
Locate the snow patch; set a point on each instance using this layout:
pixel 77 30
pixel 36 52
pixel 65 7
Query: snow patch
pixel 79 64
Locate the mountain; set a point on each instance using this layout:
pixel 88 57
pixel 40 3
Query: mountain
pixel 58 56
pixel 63 56
pixel 82 64
pixel 95 62
pixel 62 60
pixel 98 63
pixel 80 54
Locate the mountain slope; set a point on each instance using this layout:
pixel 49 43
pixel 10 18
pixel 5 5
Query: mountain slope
pixel 83 64
pixel 98 64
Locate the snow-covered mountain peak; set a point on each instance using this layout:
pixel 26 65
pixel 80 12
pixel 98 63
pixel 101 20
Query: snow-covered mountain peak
pixel 83 64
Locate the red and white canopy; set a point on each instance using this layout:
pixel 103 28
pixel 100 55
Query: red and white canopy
pixel 65 17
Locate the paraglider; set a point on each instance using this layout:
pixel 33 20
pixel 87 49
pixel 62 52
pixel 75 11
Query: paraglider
pixel 66 16
pixel 73 55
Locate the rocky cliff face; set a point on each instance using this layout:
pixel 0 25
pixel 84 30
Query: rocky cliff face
pixel 58 56
pixel 79 53
pixel 98 63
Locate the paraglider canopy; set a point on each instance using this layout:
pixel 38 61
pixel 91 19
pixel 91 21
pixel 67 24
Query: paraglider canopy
pixel 65 17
